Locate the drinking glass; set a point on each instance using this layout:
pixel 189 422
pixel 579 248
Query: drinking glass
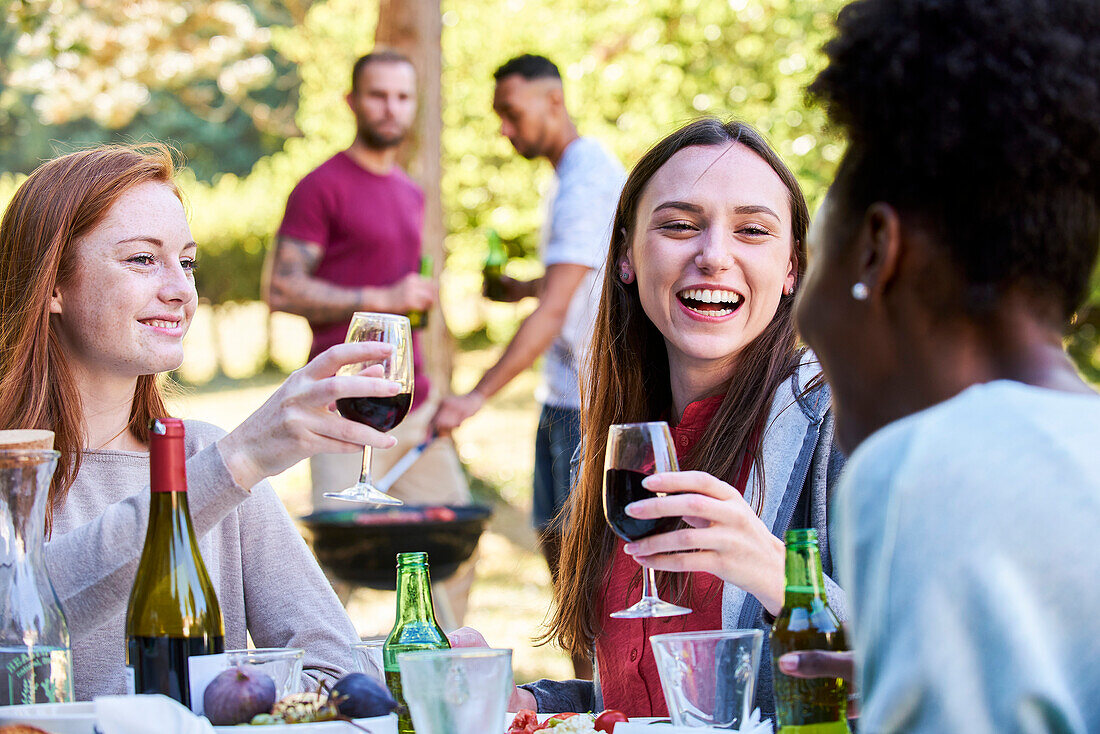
pixel 368 656
pixel 708 678
pixel 634 451
pixel 283 664
pixel 382 414
pixel 458 691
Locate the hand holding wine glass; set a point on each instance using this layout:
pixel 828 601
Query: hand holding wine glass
pixel 725 536
pixel 380 413
pixel 634 451
pixel 296 421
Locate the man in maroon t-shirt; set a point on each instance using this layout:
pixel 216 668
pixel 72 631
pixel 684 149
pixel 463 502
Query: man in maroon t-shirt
pixel 350 241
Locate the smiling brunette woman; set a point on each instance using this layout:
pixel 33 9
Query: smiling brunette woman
pixel 695 327
pixel 96 293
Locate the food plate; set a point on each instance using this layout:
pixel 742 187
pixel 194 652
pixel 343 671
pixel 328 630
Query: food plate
pixel 636 719
pixel 510 717
pixel 56 718
pixel 376 725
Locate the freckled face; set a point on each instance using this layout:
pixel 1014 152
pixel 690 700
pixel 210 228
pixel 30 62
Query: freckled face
pixel 132 296
pixel 712 251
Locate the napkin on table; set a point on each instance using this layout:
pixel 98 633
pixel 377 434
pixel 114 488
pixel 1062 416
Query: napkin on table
pixel 134 714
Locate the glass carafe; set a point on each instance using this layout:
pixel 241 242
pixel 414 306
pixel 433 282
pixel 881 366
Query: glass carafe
pixel 35 659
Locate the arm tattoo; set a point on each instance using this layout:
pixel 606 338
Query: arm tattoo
pixel 294 288
pixel 296 257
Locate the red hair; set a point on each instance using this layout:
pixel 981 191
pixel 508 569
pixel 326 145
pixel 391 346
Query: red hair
pixel 59 203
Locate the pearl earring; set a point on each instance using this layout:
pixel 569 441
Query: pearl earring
pixel 860 291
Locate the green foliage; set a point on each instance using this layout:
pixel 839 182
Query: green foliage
pixel 634 71
pixel 201 74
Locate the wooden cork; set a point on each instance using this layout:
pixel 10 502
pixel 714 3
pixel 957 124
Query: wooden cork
pixel 26 440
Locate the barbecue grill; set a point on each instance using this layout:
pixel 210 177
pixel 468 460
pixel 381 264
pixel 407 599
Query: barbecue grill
pixel 360 546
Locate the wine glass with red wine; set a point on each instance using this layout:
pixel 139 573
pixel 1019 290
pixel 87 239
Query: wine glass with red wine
pixel 634 451
pixel 382 414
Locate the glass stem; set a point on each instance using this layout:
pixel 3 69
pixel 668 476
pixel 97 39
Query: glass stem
pixel 364 475
pixel 649 584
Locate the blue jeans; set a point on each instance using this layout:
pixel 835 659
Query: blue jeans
pixel 558 435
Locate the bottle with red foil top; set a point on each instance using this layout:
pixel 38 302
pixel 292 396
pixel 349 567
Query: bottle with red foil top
pixel 173 613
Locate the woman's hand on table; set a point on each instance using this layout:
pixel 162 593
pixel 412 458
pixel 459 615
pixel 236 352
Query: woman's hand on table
pixel 725 537
pixel 298 420
pixel 470 637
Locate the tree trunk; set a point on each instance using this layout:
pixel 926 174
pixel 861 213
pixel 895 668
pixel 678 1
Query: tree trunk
pixel 415 27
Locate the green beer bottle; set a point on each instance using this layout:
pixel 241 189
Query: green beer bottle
pixel 419 319
pixel 494 267
pixel 415 628
pixel 807 705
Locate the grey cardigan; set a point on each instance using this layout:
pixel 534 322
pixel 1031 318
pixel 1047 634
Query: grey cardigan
pixel 800 465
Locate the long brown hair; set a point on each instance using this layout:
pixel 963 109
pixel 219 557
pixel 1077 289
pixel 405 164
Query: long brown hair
pixel 626 380
pixel 58 204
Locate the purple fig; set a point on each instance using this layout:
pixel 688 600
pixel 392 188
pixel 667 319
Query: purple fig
pixel 359 696
pixel 238 694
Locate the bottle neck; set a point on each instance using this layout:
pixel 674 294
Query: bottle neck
pixel 169 518
pixel 805 579
pixel 414 595
pixel 167 459
pixel 24 492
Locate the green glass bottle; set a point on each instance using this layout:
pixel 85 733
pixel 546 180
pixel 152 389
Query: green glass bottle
pixel 419 319
pixel 807 705
pixel 494 267
pixel 415 628
pixel 173 613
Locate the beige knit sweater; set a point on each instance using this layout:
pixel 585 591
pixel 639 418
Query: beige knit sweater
pixel 268 583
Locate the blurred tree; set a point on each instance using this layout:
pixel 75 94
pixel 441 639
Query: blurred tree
pixel 200 74
pixel 414 28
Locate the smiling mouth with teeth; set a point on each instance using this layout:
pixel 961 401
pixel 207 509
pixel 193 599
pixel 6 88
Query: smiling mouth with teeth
pixel 710 302
pixel 161 324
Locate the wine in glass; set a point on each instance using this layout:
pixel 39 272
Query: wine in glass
pixel 382 414
pixel 634 451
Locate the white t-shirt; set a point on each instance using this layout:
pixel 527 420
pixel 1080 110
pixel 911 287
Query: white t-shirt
pixel 968 539
pixel 577 229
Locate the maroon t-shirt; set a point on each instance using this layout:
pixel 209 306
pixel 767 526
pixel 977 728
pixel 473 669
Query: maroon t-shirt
pixel 369 227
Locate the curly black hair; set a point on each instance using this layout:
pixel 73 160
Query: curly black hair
pixel 982 119
pixel 528 66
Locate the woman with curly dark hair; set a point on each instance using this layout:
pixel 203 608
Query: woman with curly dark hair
pixel 953 248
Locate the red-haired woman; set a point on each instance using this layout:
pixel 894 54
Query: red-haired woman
pixel 96 293
pixel 695 327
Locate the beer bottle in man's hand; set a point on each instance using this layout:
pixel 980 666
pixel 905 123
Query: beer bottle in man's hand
pixel 494 267
pixel 803 705
pixel 419 319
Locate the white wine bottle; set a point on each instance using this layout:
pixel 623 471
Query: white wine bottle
pixel 173 613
